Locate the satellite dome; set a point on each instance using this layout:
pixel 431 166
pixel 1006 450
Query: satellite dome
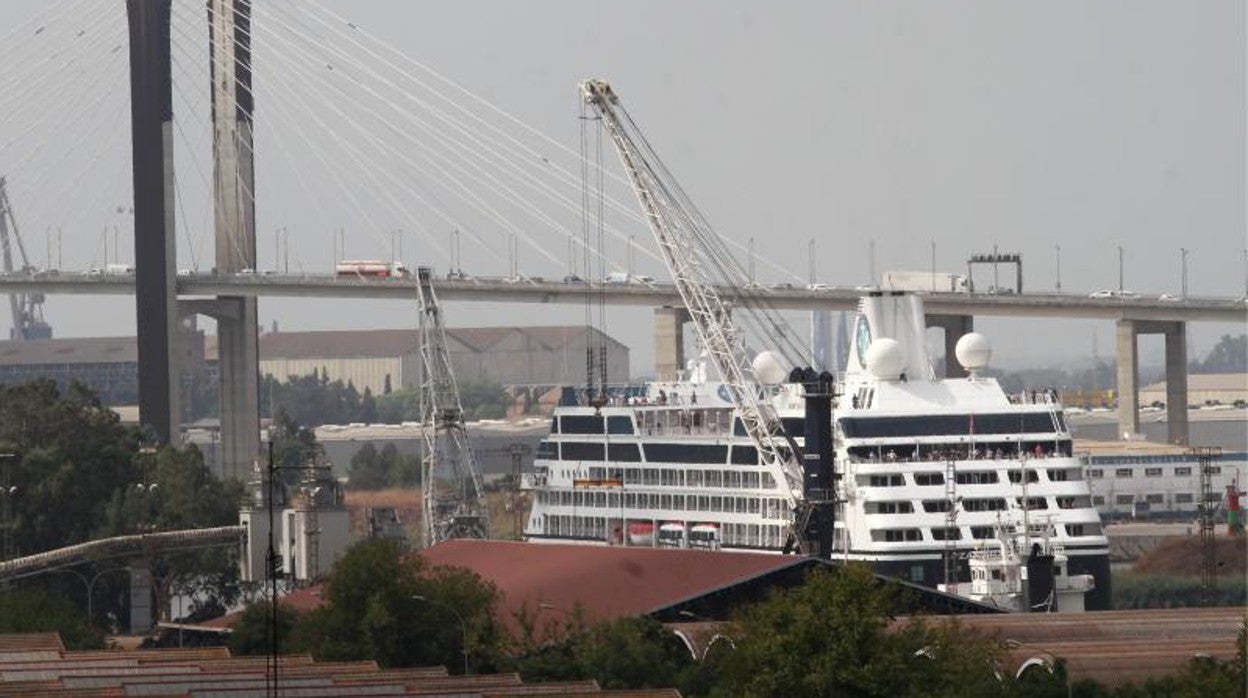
pixel 885 359
pixel 768 369
pixel 973 351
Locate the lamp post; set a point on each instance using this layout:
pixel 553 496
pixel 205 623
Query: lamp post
pixel 89 584
pixel 9 492
pixel 1183 277
pixel 1057 253
pixel 146 489
pixel 463 627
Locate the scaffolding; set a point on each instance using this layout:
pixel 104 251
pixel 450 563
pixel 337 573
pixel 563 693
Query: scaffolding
pixel 1205 456
pixel 950 552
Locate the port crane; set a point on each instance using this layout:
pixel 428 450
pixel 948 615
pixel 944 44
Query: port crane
pixel 681 233
pixel 27 308
pixel 454 499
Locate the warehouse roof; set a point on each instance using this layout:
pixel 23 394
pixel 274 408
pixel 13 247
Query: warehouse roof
pixel 78 350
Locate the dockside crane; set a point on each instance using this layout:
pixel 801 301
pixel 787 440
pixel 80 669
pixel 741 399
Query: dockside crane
pixel 682 233
pixel 454 499
pixel 27 308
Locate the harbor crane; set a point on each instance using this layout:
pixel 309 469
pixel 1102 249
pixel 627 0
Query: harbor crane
pixel 454 499
pixel 27 308
pixel 680 230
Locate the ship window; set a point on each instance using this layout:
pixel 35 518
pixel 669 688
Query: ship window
pixel 891 480
pixel 946 534
pixel 1034 503
pixel 1123 472
pixel 581 424
pixel 933 506
pixel 548 450
pixel 625 453
pixel 1214 469
pixel 554 425
pixel 1073 530
pixel 988 504
pixel 619 425
pixel 1183 471
pixel 738 427
pixel 1098 500
pixel 1124 499
pixel 977 477
pixel 896 535
pixel 945 425
pixel 686 453
pixel 744 455
pixel 1155 498
pixel 1095 473
pixel 794 426
pixel 929 479
pixel 574 450
pixel 981 532
pixel 890 508
pixel 1152 472
pixel 1073 502
pixel 1183 498
pixel 1062 474
pixel 1016 476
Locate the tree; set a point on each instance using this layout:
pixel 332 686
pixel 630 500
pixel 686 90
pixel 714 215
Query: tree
pixel 35 610
pixel 368 471
pixel 830 637
pixel 372 612
pixel 252 634
pixel 1229 355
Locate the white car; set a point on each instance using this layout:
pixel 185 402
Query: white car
pixel 1169 298
pixel 817 287
pixel 1107 293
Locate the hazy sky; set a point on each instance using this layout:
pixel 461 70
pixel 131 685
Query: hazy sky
pixel 1086 125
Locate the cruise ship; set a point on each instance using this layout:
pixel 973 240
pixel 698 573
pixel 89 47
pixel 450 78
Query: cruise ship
pixel 928 470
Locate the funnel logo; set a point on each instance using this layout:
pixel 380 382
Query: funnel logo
pixel 862 338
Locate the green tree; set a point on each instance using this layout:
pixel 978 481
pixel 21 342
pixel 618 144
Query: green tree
pixel 253 633
pixel 368 471
pixel 830 637
pixel 372 612
pixel 35 610
pixel 1229 355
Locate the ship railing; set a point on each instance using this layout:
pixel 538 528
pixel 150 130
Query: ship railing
pixel 529 481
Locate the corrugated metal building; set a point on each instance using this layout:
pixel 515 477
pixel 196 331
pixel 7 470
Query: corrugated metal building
pixel 544 356
pixel 1203 389
pixel 508 355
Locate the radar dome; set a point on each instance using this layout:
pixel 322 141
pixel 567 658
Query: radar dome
pixel 768 369
pixel 973 351
pixel 885 359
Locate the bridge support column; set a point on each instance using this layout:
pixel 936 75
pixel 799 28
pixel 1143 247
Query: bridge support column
pixel 151 119
pixel 1128 390
pixel 1176 383
pixel 229 23
pixel 954 327
pixel 669 342
pixel 141 618
pixel 1176 376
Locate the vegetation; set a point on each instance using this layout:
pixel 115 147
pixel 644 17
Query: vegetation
pixel 35 611
pixel 376 470
pixel 1138 590
pixel 395 609
pixel 76 471
pixel 313 400
pixel 1229 355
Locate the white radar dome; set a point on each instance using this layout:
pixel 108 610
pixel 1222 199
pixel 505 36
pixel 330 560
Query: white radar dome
pixel 973 351
pixel 768 368
pixel 885 359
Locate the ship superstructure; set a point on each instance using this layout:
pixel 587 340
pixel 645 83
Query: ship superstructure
pixel 926 467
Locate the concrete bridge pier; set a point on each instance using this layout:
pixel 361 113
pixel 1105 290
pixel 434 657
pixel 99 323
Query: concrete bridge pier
pixel 954 327
pixel 669 344
pixel 1176 376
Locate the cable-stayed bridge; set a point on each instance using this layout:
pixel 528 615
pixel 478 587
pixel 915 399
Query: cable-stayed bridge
pixel 286 115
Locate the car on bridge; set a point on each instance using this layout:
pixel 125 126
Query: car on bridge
pixel 1108 293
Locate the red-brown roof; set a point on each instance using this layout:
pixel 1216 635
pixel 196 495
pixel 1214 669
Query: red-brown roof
pixel 608 582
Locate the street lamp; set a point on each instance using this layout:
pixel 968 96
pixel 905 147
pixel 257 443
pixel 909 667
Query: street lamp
pixel 89 583
pixel 8 492
pixel 463 627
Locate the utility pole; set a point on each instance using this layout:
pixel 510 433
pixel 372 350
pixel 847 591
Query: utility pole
pixel 810 253
pixel 933 276
pixel 871 262
pixel 1183 276
pixel 1057 250
pixel 1205 455
pixel 751 261
pixel 1121 285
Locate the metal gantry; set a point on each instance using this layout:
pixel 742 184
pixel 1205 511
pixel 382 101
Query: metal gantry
pixel 454 500
pixel 26 307
pixel 679 229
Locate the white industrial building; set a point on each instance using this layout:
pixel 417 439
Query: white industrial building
pixel 312 529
